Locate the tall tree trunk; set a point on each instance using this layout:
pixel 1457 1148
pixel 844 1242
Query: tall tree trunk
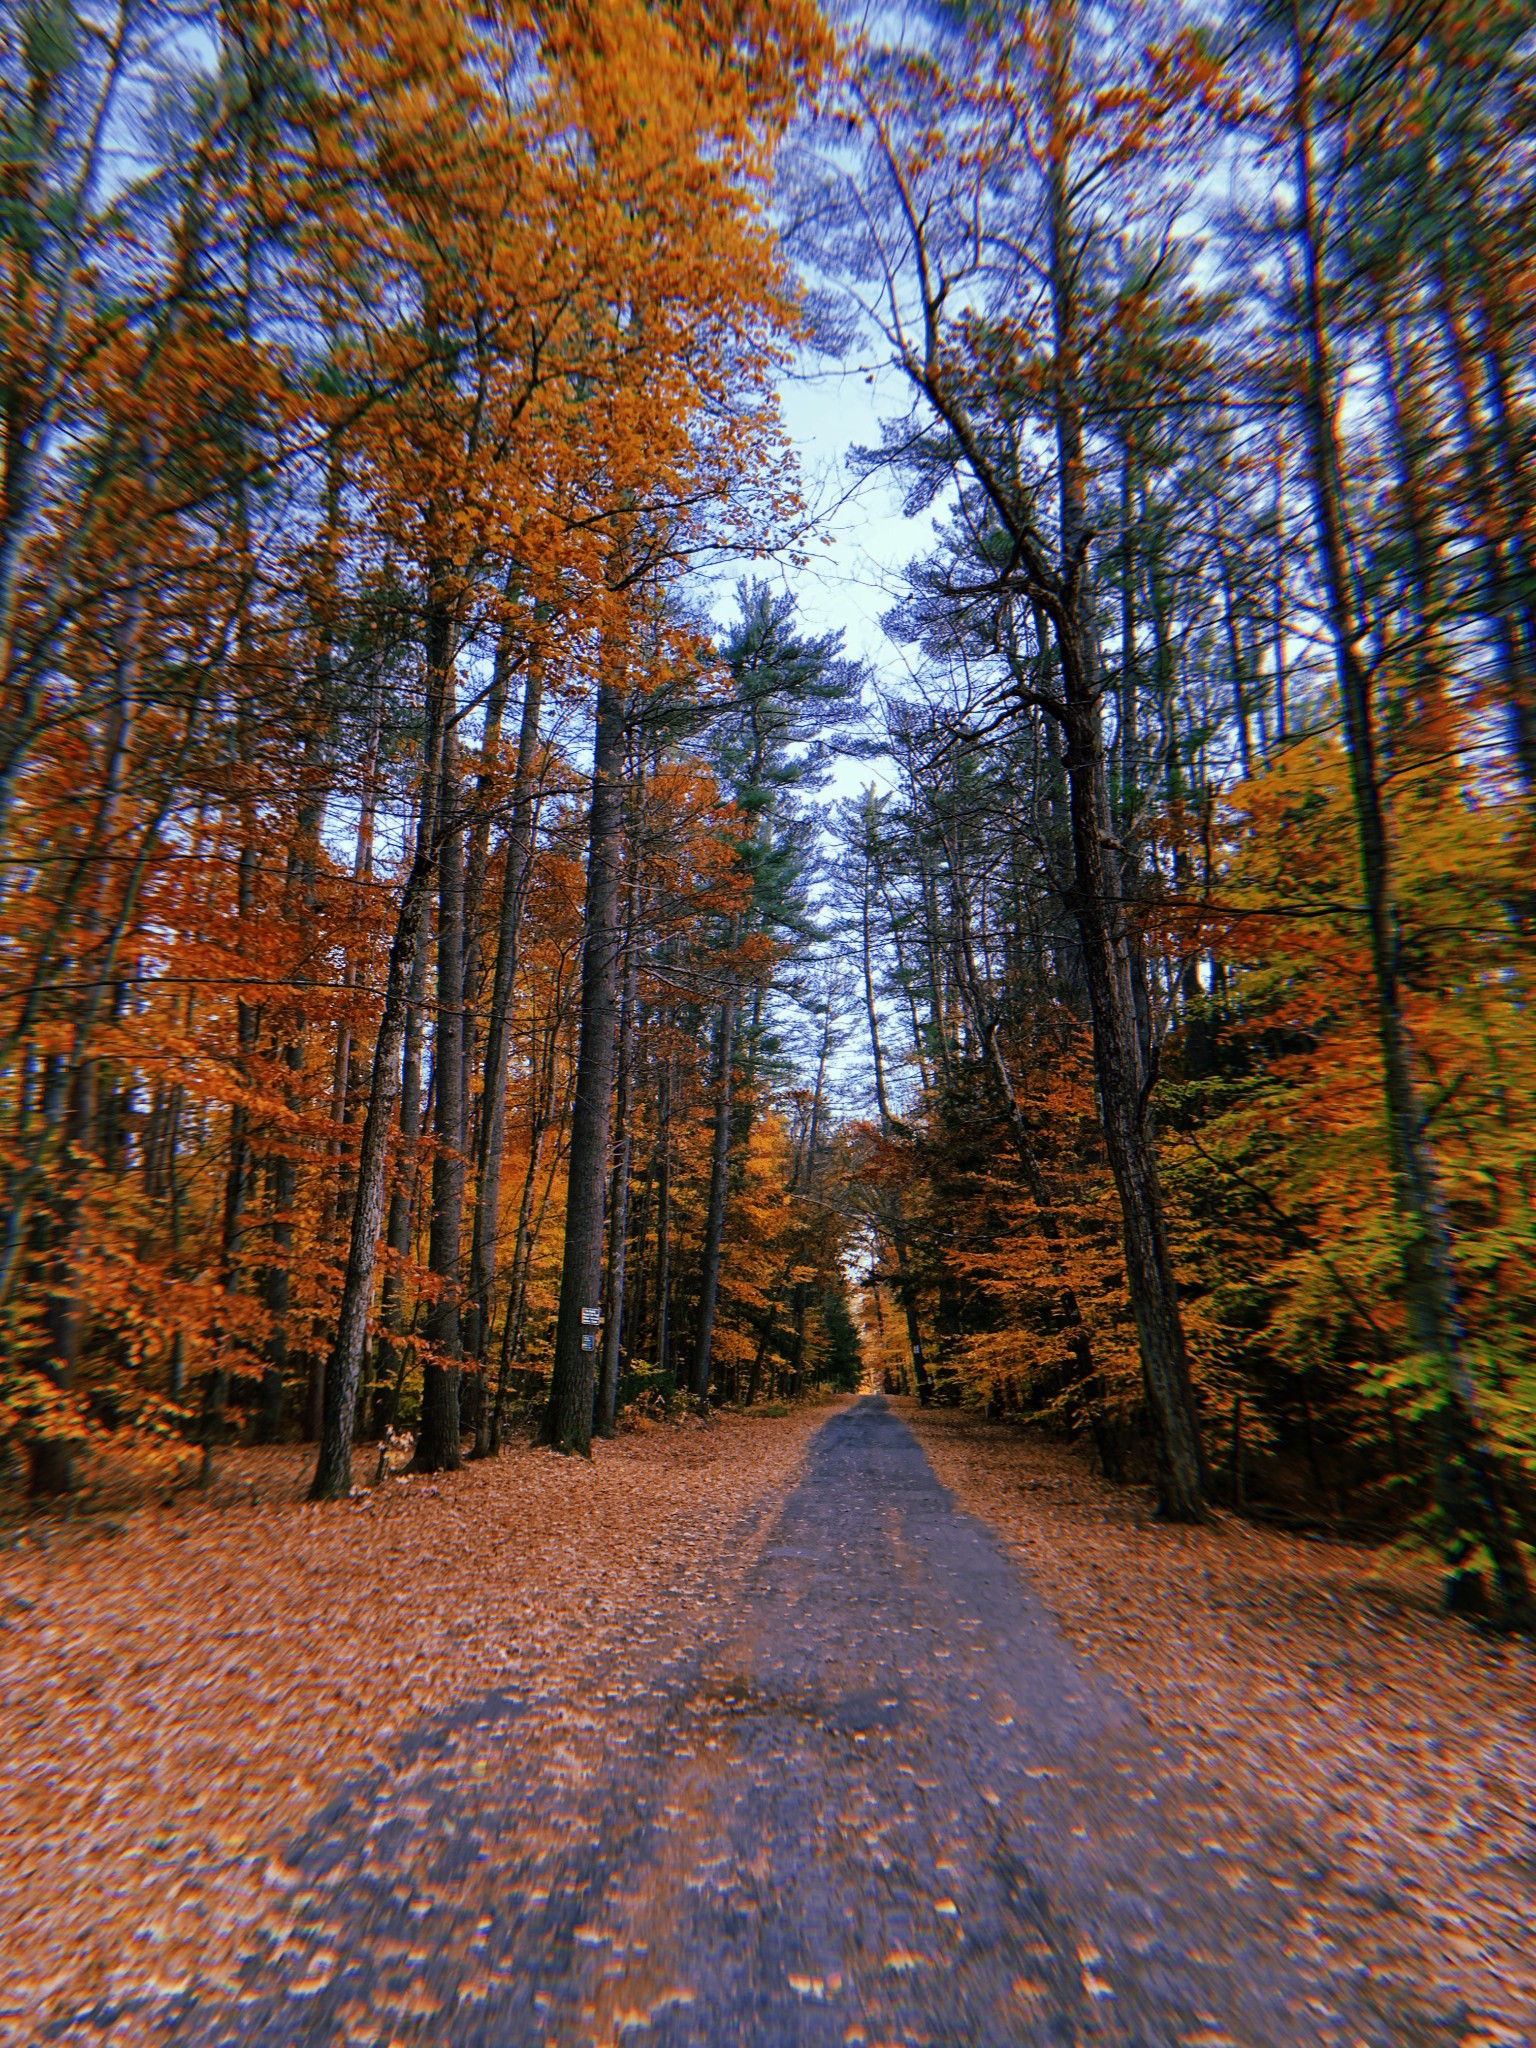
pixel 528 1227
pixel 333 1471
pixel 714 1224
pixel 805 1169
pixel 637 1303
pixel 1129 776
pixel 476 858
pixel 1497 517
pixel 744 1099
pixel 283 1184
pixel 618 1199
pixel 70 1094
pixel 1123 1090
pixel 491 1138
pixel 882 1099
pixel 932 938
pixel 1469 1491
pixel 1519 596
pixel 237 1185
pixel 568 1419
pixel 282 1167
pixel 764 1339
pixel 1242 696
pixel 1122 1103
pixel 437 1443
pixel 905 1290
pixel 1277 602
pixel 664 1223
pixel 390 1361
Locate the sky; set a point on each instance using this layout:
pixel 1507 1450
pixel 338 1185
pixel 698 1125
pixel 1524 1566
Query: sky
pixel 854 578
pixel 846 586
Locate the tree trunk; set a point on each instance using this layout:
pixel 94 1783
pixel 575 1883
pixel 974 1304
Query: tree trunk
pixel 568 1419
pixel 527 1232
pixel 402 1199
pixel 1497 519
pixel 283 1181
pixel 1469 1492
pixel 618 1200
pixel 237 1187
pixel 333 1472
pixel 282 1168
pixel 906 1292
pixel 1123 1091
pixel 1241 695
pixel 498 1037
pixel 476 857
pixel 437 1442
pixel 714 1226
pixel 1122 1106
pixel 664 1227
pixel 637 1304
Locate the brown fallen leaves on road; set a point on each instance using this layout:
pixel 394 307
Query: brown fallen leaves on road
pixel 183 1692
pixel 1317 1688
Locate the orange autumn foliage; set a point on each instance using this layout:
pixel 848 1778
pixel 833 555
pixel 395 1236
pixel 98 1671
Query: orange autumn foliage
pixel 1294 1245
pixel 429 324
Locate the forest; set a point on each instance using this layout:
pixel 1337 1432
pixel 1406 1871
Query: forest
pixel 475 962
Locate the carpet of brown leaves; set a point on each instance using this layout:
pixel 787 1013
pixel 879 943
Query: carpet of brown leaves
pixel 182 1688
pixel 1317 1687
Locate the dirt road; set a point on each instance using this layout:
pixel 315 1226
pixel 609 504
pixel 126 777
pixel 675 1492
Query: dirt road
pixel 888 1806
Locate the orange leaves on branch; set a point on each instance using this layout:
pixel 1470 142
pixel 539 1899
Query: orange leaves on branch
pixel 428 339
pixel 1295 1233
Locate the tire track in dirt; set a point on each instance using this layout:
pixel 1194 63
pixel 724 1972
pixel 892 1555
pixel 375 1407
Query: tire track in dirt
pixel 886 1804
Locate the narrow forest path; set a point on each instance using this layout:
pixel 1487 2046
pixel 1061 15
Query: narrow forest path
pixel 888 1805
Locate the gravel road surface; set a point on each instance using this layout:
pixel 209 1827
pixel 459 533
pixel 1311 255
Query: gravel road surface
pixel 887 1805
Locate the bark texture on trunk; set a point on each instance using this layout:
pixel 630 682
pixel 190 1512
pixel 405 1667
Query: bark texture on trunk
pixel 437 1442
pixel 1153 1287
pixel 905 1289
pixel 491 1142
pixel 402 1197
pixel 568 1417
pixel 618 1197
pixel 476 858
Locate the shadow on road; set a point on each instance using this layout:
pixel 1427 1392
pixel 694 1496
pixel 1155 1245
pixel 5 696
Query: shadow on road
pixel 891 1807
